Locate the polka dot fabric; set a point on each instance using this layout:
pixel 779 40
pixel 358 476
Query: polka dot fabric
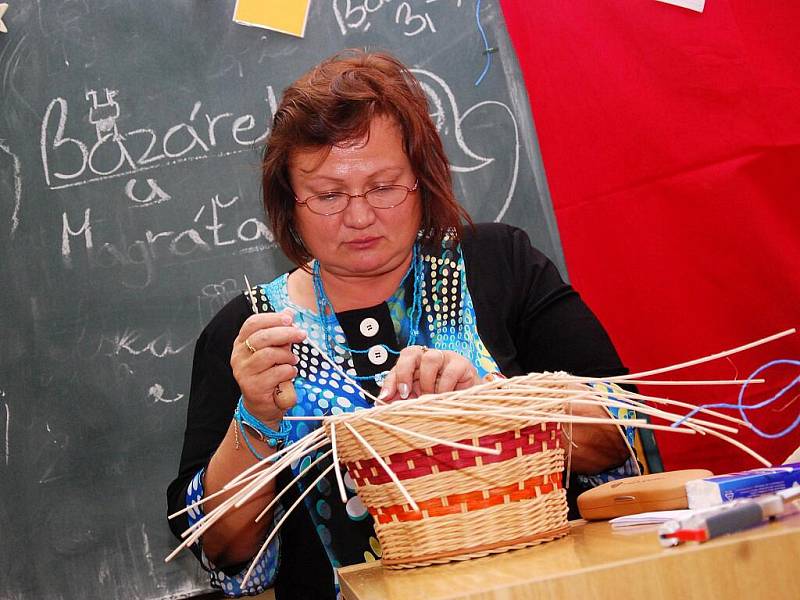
pixel 231 585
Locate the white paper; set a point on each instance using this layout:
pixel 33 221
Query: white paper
pixel 649 518
pixel 697 5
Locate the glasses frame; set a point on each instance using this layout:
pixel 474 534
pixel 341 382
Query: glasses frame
pixel 364 195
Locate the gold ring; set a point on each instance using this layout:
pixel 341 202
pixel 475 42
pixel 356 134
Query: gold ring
pixel 249 346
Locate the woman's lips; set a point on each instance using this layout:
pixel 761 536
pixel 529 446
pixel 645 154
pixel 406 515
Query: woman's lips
pixel 363 243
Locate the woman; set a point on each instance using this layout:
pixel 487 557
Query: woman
pixel 395 285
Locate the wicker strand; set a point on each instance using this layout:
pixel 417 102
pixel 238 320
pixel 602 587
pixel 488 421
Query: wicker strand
pixel 470 472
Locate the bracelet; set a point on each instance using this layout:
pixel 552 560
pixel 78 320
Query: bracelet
pixel 237 427
pixel 275 439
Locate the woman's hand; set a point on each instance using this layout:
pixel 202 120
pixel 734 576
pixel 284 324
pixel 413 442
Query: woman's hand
pixel 421 370
pixel 262 361
pixel 596 447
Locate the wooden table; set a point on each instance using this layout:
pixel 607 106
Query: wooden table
pixel 596 562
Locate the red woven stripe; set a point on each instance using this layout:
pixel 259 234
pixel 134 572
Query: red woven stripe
pixel 476 500
pixel 441 458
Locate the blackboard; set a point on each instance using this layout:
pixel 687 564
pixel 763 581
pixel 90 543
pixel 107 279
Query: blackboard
pixel 129 154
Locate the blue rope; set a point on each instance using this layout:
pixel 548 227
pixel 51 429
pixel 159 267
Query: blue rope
pixel 323 305
pixel 243 417
pixel 247 441
pixel 742 408
pixel 486 49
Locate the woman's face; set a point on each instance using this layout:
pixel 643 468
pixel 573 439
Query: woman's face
pixel 361 240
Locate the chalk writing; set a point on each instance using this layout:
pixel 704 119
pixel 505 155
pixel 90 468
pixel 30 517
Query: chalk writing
pixel 411 17
pixel 414 23
pixel 114 154
pixel 444 103
pixel 156 392
pixel 103 115
pixel 208 231
pixel 148 555
pixel 17 167
pixel 155 196
pixel 7 435
pixel 129 342
pixel 133 343
pixel 214 296
pixel 512 184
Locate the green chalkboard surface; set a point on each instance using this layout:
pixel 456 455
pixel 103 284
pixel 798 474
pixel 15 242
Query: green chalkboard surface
pixel 130 135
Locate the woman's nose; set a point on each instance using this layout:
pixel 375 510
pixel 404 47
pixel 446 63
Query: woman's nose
pixel 359 213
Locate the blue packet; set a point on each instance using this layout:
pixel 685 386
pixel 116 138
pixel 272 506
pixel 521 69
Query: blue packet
pixel 711 491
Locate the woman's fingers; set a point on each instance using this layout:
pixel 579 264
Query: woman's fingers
pixel 259 321
pixel 259 387
pixel 261 334
pixel 275 336
pixel 268 357
pixel 405 370
pixel 427 370
pixel 457 374
pixel 467 380
pixel 269 337
pixel 270 394
pixel 399 382
pixel 285 395
pixel 388 388
pixel 432 365
pixel 263 363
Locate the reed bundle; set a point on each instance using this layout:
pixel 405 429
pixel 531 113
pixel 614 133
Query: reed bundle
pixel 464 474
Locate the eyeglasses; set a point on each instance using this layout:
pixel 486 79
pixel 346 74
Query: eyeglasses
pixel 383 196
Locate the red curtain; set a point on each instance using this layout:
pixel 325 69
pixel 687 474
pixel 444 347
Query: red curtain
pixel 671 142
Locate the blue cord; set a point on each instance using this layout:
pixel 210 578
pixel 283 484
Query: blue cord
pixel 247 441
pixel 323 305
pixel 486 48
pixel 272 437
pixel 742 408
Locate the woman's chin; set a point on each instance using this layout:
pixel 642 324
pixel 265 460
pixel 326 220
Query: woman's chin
pixel 367 264
pixel 367 267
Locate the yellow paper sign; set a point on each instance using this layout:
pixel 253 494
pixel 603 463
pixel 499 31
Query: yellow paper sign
pixel 286 16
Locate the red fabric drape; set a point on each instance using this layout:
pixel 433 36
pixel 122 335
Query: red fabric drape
pixel 671 142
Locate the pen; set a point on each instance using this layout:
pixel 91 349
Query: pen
pixel 730 517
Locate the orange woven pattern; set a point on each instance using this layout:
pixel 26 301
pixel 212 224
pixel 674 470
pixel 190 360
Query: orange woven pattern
pixel 477 500
pixel 475 533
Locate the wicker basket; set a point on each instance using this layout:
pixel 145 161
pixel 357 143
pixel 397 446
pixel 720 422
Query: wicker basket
pixel 470 504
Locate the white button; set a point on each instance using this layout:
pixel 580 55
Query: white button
pixel 369 327
pixel 377 355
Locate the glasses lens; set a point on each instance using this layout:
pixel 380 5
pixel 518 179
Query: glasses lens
pixel 328 204
pixel 387 196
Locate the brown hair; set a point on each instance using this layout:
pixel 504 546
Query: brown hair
pixel 334 103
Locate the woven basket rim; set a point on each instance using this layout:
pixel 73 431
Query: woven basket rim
pixel 485 388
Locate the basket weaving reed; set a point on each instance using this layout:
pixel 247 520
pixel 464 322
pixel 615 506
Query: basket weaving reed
pixel 464 474
pixel 469 503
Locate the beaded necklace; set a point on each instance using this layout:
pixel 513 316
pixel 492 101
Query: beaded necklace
pixel 324 308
